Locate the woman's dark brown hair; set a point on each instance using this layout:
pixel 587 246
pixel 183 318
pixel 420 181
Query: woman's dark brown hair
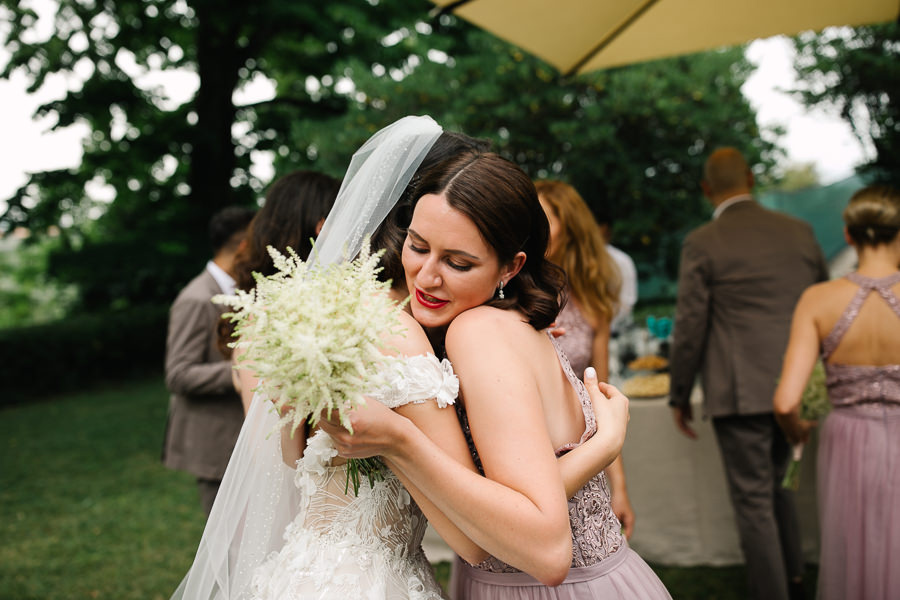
pixel 295 205
pixel 391 234
pixel 501 201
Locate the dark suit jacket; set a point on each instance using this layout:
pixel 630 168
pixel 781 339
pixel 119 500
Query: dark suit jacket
pixel 205 412
pixel 739 279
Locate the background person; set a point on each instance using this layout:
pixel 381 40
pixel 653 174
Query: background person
pixel 628 292
pixel 205 413
pixel 577 245
pixel 854 322
pixel 739 279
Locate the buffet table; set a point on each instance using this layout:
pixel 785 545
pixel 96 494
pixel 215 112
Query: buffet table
pixel 679 493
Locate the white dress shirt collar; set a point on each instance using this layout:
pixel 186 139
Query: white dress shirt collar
pixel 226 282
pixel 730 202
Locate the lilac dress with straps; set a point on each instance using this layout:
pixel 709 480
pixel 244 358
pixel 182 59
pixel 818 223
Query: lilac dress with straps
pixel 603 566
pixel 859 467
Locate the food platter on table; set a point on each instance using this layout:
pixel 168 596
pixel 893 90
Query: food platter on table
pixel 649 378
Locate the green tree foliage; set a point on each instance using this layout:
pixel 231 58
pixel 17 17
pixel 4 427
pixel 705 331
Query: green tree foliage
pixel 632 139
pixel 171 166
pixel 857 72
pixel 26 296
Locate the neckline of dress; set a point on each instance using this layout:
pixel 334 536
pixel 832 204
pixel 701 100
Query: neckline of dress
pixel 874 282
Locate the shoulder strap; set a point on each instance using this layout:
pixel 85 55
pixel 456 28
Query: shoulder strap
pixel 866 285
pixel 590 421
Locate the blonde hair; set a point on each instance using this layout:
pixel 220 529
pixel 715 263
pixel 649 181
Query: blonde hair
pixel 872 216
pixel 594 279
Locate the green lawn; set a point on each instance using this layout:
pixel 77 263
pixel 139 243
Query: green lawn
pixel 87 510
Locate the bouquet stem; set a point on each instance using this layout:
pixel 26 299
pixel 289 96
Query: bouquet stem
pixel 372 468
pixel 791 479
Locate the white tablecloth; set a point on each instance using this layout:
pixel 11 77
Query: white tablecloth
pixel 679 493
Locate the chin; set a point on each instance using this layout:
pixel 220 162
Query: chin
pixel 429 318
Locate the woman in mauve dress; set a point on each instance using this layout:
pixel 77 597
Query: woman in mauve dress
pixel 853 323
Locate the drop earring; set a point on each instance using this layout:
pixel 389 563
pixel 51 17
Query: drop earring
pixel 500 291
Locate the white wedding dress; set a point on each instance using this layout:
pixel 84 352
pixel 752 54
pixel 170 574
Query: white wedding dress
pixel 342 546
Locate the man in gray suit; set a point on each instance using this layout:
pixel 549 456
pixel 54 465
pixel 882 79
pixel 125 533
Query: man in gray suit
pixel 205 411
pixel 739 279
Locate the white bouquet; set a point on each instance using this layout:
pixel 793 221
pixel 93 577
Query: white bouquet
pixel 313 334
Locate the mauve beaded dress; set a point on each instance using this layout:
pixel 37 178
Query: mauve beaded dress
pixel 603 566
pixel 858 466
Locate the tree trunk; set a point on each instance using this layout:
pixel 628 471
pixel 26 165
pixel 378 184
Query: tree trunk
pixel 212 153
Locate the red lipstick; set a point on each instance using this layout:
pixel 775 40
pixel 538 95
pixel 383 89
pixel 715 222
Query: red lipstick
pixel 429 301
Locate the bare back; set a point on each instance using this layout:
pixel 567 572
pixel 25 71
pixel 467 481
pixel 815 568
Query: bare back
pixel 857 323
pixel 535 350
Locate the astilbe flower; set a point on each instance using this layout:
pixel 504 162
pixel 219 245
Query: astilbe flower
pixel 313 334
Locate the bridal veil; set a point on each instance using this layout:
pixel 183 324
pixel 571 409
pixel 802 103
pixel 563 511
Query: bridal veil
pixel 257 498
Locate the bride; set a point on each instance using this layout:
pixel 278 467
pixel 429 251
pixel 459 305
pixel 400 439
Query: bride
pixel 281 529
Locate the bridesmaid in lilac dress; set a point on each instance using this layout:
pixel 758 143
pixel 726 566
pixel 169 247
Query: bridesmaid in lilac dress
pixel 474 261
pixel 577 245
pixel 855 323
pixel 603 566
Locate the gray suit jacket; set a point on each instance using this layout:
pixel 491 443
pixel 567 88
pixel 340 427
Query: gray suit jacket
pixel 739 279
pixel 205 412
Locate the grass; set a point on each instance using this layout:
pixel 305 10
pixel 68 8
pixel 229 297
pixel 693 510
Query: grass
pixel 87 511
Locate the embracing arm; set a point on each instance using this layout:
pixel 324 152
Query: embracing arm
pixel 799 361
pixel 440 427
pixel 517 513
pixel 292 444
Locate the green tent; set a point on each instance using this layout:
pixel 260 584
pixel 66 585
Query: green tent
pixel 821 207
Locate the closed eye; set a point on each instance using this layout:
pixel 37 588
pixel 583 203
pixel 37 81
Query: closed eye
pixel 459 267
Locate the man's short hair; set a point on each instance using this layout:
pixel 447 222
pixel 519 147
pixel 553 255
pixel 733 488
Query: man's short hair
pixel 226 225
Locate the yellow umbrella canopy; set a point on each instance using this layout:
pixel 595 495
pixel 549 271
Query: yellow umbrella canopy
pixel 577 36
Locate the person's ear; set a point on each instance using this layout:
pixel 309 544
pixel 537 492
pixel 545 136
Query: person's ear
pixel 847 238
pixel 706 190
pixel 319 226
pixel 513 267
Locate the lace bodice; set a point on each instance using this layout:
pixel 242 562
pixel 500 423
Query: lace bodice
pixel 596 532
pixel 379 530
pixel 870 388
pixel 577 342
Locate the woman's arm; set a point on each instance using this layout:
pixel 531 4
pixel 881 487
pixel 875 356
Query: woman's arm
pixel 441 427
pixel 517 513
pixel 799 361
pixel 246 380
pixel 292 444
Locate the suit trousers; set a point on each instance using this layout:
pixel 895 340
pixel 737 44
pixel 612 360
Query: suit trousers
pixel 755 454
